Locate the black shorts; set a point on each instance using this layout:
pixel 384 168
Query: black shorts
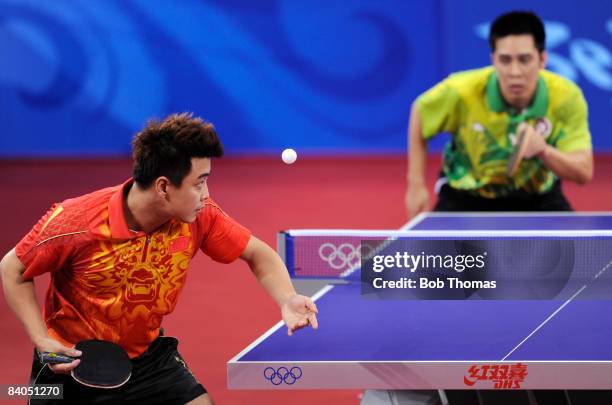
pixel 451 199
pixel 159 376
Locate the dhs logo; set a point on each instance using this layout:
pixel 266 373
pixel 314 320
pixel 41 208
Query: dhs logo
pixel 283 375
pixel 504 376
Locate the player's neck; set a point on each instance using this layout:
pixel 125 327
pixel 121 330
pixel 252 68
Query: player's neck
pixel 140 210
pixel 519 105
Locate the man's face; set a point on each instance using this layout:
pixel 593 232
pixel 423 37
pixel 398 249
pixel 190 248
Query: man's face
pixel 186 201
pixel 517 63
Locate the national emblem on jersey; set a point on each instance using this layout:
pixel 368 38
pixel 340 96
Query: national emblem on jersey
pixel 543 127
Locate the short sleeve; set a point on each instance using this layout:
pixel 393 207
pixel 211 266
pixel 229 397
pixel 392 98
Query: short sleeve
pixel 39 250
pixel 224 239
pixel 575 133
pixel 438 110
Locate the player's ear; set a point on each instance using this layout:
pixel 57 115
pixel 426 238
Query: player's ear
pixel 543 59
pixel 161 186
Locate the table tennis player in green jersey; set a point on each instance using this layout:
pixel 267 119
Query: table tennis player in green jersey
pixel 118 259
pixel 483 110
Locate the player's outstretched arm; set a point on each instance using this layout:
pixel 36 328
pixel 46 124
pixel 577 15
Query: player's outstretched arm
pixel 417 195
pixel 297 310
pixel 21 298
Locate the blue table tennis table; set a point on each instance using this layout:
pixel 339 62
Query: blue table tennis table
pixel 434 344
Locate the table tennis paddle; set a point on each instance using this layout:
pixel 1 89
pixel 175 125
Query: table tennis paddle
pixel 519 152
pixel 103 364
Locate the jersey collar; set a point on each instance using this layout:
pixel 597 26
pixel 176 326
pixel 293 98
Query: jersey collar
pixel 116 216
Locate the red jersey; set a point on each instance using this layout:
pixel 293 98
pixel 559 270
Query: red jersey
pixel 111 283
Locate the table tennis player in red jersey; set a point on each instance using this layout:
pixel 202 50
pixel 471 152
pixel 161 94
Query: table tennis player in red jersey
pixel 118 260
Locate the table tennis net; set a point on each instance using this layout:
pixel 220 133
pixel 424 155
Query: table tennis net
pixel 327 253
pixel 555 262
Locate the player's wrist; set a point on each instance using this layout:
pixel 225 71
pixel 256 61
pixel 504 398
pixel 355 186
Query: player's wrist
pixel 40 341
pixel 286 298
pixel 544 152
pixel 416 181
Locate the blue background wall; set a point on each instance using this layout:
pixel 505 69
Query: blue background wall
pixel 81 77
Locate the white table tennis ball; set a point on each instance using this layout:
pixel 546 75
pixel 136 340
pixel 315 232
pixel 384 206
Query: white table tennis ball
pixel 289 156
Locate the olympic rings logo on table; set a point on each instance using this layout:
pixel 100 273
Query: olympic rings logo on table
pixel 283 375
pixel 342 256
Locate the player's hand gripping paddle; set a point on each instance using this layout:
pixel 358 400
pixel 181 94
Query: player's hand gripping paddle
pixel 103 364
pixel 522 140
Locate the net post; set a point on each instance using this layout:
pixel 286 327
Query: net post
pixel 284 247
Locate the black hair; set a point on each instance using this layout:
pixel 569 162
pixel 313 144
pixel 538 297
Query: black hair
pixel 165 148
pixel 518 23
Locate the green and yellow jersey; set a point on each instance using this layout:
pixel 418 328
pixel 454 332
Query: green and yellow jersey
pixel 470 107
